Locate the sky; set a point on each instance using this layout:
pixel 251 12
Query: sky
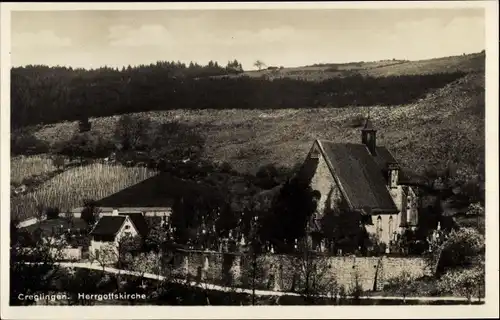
pixel 290 38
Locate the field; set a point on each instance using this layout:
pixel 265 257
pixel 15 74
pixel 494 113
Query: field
pixel 448 124
pixel 466 63
pixel 23 167
pixel 70 188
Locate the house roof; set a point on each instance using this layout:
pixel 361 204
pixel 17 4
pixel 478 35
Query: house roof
pixel 139 222
pixel 57 226
pixel 359 176
pixel 108 225
pixel 125 209
pixel 157 191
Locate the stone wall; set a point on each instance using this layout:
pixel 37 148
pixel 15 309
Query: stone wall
pixel 71 254
pixel 286 273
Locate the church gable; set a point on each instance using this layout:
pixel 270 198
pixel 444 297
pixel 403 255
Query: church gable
pixel 322 180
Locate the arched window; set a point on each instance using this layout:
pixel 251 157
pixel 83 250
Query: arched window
pixel 379 226
pixel 391 228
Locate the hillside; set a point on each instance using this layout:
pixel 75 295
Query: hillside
pixel 41 94
pixel 464 63
pixel 448 124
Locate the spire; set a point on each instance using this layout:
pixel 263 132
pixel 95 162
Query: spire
pixel 369 136
pixel 368 126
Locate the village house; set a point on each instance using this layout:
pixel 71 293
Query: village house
pixel 152 197
pixel 67 237
pixel 128 211
pixel 364 178
pixel 111 229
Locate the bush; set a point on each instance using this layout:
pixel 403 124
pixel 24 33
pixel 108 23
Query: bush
pixel 356 121
pixel 461 249
pixel 58 162
pixel 466 282
pixel 52 213
pixel 405 285
pixel 269 176
pixel 27 144
pixel 475 209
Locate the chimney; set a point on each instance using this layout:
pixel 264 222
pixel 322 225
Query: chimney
pixel 115 212
pixel 369 136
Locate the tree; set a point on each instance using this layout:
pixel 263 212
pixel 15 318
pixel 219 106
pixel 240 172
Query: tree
pixel 68 217
pixel 148 263
pixel 269 176
pixel 234 67
pixel 344 229
pixel 73 284
pixel 157 237
pixel 40 213
pixel 255 250
pixel 27 143
pixel 403 284
pixel 175 141
pixel 118 252
pixel 126 246
pixel 90 212
pixel 132 133
pixel 462 249
pixel 81 145
pixel 58 162
pixel 104 256
pixel 313 273
pixel 42 94
pixel 464 281
pixel 356 289
pixel 259 64
pixel 201 210
pixel 292 208
pixel 33 266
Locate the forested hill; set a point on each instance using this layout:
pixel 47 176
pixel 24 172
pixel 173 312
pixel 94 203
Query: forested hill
pixel 41 94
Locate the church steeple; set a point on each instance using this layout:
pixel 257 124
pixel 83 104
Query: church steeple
pixel 369 136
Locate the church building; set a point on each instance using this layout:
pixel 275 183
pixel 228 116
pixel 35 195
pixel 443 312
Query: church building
pixel 363 178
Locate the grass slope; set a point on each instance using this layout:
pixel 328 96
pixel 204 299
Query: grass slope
pixel 70 188
pixel 448 124
pixel 465 63
pixel 22 167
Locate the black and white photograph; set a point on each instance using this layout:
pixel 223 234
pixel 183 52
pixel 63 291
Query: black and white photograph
pixel 256 155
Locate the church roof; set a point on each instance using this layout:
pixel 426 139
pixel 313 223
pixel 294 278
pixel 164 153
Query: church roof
pixel 383 157
pixel 359 175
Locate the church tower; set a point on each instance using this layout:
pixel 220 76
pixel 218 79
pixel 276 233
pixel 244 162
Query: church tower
pixel 369 136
